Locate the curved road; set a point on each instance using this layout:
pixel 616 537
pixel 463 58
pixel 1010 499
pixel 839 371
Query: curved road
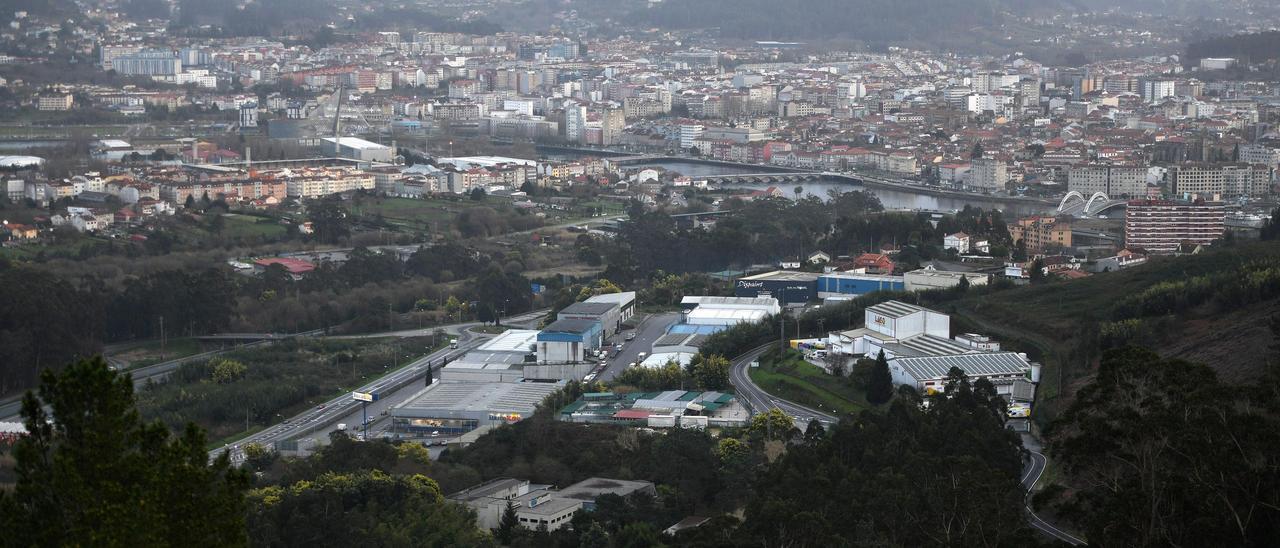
pixel 1031 475
pixel 759 401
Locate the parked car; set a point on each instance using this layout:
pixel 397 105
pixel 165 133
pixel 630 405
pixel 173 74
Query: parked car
pixel 631 335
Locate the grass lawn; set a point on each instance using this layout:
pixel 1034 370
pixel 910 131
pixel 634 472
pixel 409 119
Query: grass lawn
pixel 240 226
pixel 415 213
pixel 794 379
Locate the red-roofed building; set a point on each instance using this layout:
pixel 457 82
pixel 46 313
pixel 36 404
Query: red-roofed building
pixel 875 263
pixel 632 415
pixel 295 267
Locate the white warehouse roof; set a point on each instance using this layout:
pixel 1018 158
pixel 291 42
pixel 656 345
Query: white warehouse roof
pixel 973 365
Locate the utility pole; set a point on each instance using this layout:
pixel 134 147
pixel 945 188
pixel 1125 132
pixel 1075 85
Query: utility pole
pixel 162 337
pixel 782 334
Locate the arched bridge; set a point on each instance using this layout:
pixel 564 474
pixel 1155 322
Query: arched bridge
pixel 765 178
pixel 1075 204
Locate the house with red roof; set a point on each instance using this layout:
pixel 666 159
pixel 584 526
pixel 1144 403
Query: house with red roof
pixel 874 263
pixel 297 268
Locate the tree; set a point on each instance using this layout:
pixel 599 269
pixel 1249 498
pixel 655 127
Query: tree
pixel 976 152
pixel 190 203
pixel 223 370
pixel 509 524
pixel 1037 271
pixel 773 424
pixel 329 220
pixel 477 194
pixel 880 386
pixel 91 473
pixel 1161 452
pixel 713 373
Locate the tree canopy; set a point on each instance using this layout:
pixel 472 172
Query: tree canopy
pixel 91 473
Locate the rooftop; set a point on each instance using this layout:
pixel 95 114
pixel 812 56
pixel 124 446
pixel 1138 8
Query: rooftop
pixel 896 309
pixel 354 142
pixel 993 363
pixel 784 276
pixel 618 298
pixel 570 326
pixel 589 308
pixel 513 397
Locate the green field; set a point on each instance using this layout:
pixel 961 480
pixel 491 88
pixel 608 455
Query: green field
pixel 247 226
pixel 799 381
pixel 413 213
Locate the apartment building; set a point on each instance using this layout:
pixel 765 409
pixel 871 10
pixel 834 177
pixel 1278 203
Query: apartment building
pixel 1114 181
pixel 1160 226
pixel 1042 234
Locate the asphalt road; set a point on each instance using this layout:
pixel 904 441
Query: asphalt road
pixel 1032 471
pixel 647 332
pixel 320 420
pixel 527 319
pixel 10 407
pixel 760 401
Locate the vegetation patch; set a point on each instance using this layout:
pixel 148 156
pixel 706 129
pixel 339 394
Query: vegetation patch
pixel 792 378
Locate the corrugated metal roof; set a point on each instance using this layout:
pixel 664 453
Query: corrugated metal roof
pixel 896 309
pixel 974 365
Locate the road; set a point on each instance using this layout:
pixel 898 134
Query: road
pixel 647 332
pixel 9 407
pixel 320 420
pixel 760 401
pixel 1030 476
pixel 527 319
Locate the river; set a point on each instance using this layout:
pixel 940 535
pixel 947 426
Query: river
pixel 891 198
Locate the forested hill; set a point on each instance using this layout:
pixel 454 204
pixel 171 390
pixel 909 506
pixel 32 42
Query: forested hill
pixel 1201 308
pixel 1255 47
pixel 871 21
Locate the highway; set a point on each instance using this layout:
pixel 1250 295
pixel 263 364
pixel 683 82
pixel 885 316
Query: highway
pixel 1030 476
pixel 759 401
pixel 318 420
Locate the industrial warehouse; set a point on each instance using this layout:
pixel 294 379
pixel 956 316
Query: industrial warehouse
pixel 683 408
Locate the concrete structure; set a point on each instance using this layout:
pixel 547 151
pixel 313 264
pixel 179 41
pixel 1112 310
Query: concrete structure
pixel 988 173
pixel 359 149
pixel 542 506
pixel 1041 234
pixel 1126 181
pixel 567 341
pixel 501 359
pixel 958 241
pixel 931 278
pixel 55 101
pixel 1160 226
pixel 459 407
pixel 671 408
pixel 607 314
pixel 626 302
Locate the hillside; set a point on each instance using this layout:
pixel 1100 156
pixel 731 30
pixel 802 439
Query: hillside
pixel 1212 308
pixel 1255 47
pixel 876 22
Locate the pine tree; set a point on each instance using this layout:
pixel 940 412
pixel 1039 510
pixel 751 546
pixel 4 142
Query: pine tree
pixel 507 527
pixel 880 387
pixel 91 473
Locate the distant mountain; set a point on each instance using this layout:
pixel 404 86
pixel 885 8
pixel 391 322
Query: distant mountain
pixel 871 21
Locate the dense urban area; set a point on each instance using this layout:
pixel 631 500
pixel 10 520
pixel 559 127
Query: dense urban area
pixel 632 273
